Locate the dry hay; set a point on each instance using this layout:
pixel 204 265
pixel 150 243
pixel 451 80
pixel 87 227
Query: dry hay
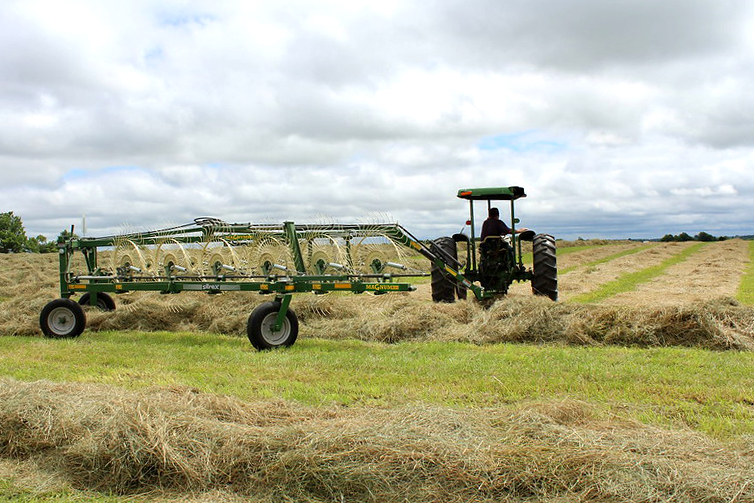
pixel 562 243
pixel 587 279
pixel 713 271
pixel 180 440
pixel 719 324
pixel 577 258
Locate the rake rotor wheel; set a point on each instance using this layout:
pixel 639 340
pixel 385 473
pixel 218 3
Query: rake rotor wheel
pixel 176 255
pixel 267 252
pixel 128 253
pixel 374 247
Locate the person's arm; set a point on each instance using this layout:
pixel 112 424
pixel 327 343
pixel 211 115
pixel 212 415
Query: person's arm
pixel 504 229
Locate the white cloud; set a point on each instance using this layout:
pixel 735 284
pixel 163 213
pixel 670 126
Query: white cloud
pixel 706 191
pixel 619 118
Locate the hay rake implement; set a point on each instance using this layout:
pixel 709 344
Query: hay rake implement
pixel 212 256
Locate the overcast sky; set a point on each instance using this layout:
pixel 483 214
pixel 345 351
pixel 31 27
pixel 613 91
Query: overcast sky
pixel 621 118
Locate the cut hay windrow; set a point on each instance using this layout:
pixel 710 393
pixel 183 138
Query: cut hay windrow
pixel 596 259
pixel 716 270
pixel 123 442
pixel 720 324
pixel 629 281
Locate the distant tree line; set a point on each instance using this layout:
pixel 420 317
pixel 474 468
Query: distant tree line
pixel 13 237
pixel 702 236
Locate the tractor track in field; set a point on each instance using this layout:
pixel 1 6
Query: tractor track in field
pixel 714 271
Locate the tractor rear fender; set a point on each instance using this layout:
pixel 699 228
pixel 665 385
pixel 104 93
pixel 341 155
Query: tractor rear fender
pixel 527 235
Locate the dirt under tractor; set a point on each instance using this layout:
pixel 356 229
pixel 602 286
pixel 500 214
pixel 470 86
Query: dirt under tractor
pixel 279 260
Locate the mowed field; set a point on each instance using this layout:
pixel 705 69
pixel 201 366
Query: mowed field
pixel 638 385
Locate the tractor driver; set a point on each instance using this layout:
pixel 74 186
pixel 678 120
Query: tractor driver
pixel 493 226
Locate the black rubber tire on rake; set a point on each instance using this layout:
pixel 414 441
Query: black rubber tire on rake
pixel 545 279
pixel 259 327
pixel 62 319
pixel 104 301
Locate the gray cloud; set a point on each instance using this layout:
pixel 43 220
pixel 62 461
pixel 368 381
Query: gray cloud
pixel 620 118
pixel 583 35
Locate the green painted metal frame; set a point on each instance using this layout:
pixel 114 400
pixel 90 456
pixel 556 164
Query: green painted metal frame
pixel 282 286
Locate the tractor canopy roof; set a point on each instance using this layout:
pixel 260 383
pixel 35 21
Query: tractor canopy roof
pixel 492 193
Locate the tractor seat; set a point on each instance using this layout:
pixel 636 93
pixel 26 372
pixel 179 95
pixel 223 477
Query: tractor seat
pixel 493 243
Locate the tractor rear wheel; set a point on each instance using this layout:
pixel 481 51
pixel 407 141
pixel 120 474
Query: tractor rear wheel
pixel 104 301
pixel 260 327
pixel 545 279
pixel 444 285
pixel 62 319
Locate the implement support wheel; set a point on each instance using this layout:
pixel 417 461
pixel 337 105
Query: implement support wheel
pixel 62 319
pixel 104 301
pixel 262 322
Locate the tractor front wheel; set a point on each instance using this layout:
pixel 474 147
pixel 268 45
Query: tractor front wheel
pixel 62 319
pixel 260 328
pixel 545 279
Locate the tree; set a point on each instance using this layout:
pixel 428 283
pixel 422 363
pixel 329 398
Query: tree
pixel 703 236
pixel 12 233
pixel 40 244
pixel 65 235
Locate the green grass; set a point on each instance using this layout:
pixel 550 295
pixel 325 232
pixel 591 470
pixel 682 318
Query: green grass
pixel 10 491
pixel 630 281
pixel 710 392
pixel 745 293
pixel 413 280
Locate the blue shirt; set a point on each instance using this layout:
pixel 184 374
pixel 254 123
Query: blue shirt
pixel 494 227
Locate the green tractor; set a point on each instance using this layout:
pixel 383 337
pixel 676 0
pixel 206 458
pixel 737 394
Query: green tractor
pixel 496 262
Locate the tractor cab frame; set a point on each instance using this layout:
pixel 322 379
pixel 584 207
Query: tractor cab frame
pixel 513 250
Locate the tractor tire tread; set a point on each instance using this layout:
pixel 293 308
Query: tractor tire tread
pixel 545 278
